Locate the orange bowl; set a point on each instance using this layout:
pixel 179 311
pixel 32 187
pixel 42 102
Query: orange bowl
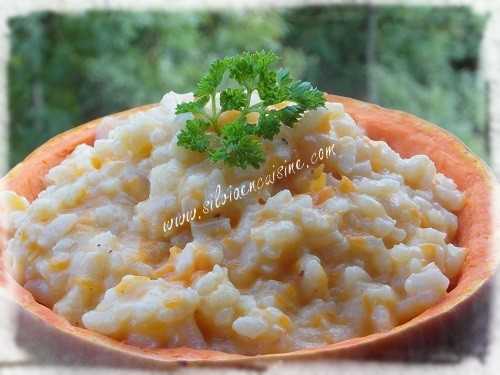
pixel 406 134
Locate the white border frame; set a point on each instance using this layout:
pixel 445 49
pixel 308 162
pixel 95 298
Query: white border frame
pixel 490 68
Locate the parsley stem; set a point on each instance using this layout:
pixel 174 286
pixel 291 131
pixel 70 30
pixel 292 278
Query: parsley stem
pixel 214 115
pixel 214 108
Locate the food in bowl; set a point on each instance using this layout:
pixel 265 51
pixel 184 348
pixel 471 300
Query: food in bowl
pixel 333 236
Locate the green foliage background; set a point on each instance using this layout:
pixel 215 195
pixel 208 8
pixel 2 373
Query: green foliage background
pixel 67 69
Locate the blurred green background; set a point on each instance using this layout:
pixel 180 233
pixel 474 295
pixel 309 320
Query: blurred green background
pixel 67 69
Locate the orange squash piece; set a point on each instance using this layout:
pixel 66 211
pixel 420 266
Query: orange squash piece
pixel 406 134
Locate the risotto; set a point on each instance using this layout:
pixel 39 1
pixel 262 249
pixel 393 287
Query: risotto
pixel 354 240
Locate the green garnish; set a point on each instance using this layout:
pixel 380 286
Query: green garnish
pixel 237 141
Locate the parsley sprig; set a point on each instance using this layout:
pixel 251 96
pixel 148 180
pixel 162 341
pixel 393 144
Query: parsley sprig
pixel 238 142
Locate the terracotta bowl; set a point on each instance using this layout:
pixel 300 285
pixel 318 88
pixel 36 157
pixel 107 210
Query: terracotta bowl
pixel 406 134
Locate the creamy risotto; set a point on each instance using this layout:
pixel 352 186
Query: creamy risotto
pixel 357 243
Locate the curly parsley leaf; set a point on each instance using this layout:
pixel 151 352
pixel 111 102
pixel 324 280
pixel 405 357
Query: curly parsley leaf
pixel 195 107
pixel 306 95
pixel 240 147
pixel 233 98
pixel 194 136
pixel 268 125
pixel 238 142
pixel 291 114
pixel 248 67
pixel 209 82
